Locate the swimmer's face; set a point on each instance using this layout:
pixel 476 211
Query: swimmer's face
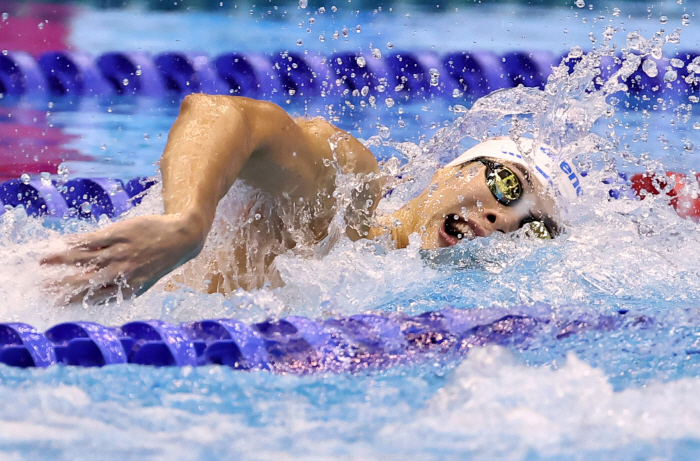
pixel 459 204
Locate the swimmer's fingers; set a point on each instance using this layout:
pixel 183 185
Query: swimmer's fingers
pixel 81 258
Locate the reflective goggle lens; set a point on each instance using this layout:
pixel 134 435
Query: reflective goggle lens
pixel 503 183
pixel 540 230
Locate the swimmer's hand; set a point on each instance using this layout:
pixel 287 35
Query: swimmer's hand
pixel 129 257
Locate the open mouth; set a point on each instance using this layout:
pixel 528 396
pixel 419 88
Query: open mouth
pixel 456 229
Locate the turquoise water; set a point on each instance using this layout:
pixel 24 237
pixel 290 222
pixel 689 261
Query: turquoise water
pixel 629 392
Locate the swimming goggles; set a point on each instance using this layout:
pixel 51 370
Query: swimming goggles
pixel 505 186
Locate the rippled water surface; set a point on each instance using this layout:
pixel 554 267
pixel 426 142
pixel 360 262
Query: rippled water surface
pixel 628 392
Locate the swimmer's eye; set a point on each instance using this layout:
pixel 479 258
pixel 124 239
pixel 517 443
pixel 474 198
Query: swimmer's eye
pixel 540 230
pixel 503 183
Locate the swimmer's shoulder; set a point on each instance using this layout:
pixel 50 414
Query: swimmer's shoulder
pixel 350 153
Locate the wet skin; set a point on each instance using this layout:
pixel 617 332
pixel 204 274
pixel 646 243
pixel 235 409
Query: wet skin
pixel 218 139
pixel 461 203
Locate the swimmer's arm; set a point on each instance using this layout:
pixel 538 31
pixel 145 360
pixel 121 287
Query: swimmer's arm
pixel 210 143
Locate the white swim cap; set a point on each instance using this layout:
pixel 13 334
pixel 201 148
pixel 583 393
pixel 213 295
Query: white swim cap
pixel 560 175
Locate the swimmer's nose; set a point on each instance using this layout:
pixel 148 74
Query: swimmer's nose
pixel 495 221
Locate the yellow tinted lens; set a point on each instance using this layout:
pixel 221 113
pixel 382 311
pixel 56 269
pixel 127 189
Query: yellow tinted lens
pixel 503 184
pixel 540 230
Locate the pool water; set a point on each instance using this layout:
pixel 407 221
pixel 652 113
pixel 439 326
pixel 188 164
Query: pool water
pixel 626 392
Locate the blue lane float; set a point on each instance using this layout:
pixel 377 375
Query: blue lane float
pixel 297 344
pixel 277 76
pixel 84 198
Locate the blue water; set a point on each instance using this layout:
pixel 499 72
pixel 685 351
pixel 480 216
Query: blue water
pixel 628 393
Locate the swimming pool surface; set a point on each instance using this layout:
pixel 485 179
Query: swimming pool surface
pixel 627 392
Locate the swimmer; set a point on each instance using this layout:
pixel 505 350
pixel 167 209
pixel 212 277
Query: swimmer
pixel 217 140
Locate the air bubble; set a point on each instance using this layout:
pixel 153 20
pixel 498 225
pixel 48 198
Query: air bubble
pixel 358 28
pixel 685 20
pixel 25 179
pixel 321 10
pixel 389 45
pixel 361 61
pixel 45 178
pixel 580 3
pixel 663 19
pixel 299 42
pixel 41 25
pixel 86 207
pixel 303 3
pixel 377 53
pixel 616 12
pixel 125 82
pixel 5 16
pixel 389 102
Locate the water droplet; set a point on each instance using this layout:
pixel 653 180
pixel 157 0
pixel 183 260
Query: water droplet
pixel 671 75
pixel 364 91
pixel 103 147
pixel 299 42
pixel 41 25
pixel 5 16
pixel 685 20
pixel 473 171
pixel 303 3
pixel 361 61
pixel 459 109
pixel 389 102
pixel 344 31
pixel 576 52
pixel 258 216
pixel 321 38
pixel 312 20
pixel 616 11
pixel 389 45
pixel 635 41
pixel 86 207
pixel 125 82
pixel 381 88
pixel 696 125
pixel 25 179
pixel 334 9
pixel 322 10
pixel 649 68
pixel 62 169
pixel 580 3
pixel 674 37
pixel 46 178
pixel 384 131
pixel 663 19
pixel 377 53
pixel 456 93
pixel 358 29
pixel 678 63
